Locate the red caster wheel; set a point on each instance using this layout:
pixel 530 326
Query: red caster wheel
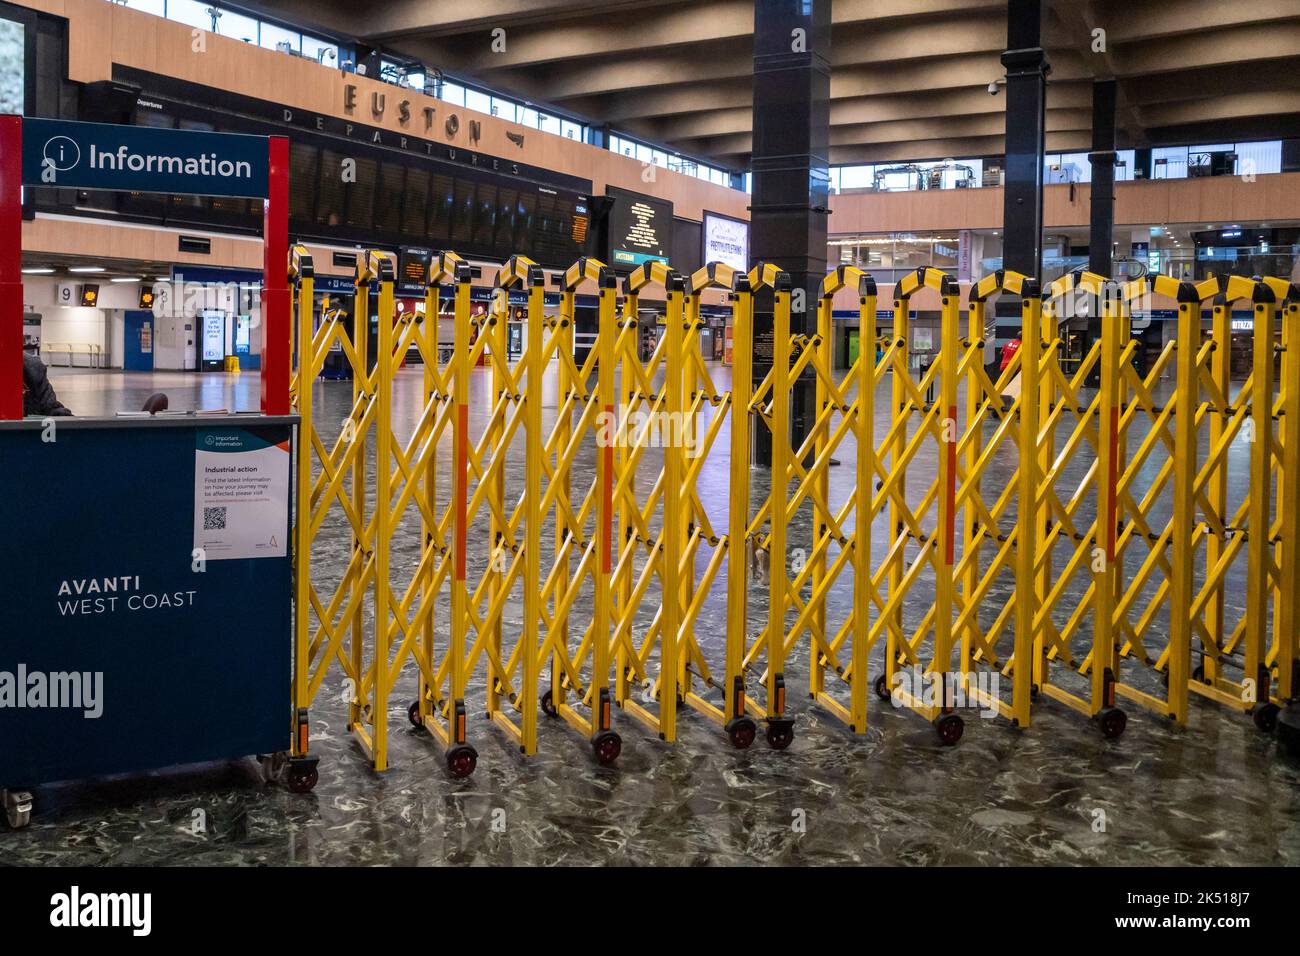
pixel 461 761
pixel 413 715
pixel 1265 716
pixel 548 704
pixel 1112 722
pixel 949 728
pixel 882 689
pixel 302 775
pixel 780 733
pixel 741 731
pixel 606 745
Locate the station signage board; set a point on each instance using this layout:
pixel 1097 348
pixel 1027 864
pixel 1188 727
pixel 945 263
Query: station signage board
pixel 143 159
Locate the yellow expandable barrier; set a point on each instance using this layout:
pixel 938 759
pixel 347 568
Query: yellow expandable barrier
pixel 1085 531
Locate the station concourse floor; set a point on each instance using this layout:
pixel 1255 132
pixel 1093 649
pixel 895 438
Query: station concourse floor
pixel 1216 792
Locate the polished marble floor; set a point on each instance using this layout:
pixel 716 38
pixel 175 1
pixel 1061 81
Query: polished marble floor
pixel 1215 792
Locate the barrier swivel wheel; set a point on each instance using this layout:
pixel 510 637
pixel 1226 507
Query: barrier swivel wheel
pixel 1112 722
pixel 303 774
pixel 606 745
pixel 461 761
pixel 1198 673
pixel 413 715
pixel 1265 716
pixel 780 732
pixel 18 808
pixel 949 727
pixel 882 689
pixel 741 731
pixel 1288 729
pixel 548 704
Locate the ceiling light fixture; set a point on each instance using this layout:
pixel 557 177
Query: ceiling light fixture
pixel 38 272
pixel 86 269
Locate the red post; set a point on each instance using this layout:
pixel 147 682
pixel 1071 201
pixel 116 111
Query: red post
pixel 11 267
pixel 275 282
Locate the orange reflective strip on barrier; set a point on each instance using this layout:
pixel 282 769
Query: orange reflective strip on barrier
pixel 950 491
pixel 460 492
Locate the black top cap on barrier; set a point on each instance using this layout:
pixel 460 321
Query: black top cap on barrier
pixel 1263 295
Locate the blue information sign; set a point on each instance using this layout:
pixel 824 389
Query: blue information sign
pixel 143 159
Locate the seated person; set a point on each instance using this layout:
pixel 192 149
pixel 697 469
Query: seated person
pixel 38 394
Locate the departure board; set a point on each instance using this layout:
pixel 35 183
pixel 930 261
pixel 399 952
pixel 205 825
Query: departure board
pixel 640 229
pixel 413 265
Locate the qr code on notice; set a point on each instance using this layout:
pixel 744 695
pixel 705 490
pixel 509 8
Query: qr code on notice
pixel 214 519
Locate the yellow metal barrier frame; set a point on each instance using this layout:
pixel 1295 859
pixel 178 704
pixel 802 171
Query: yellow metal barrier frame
pixel 596 417
pixel 665 553
pixel 938 545
pixel 857 417
pixel 440 705
pixel 1015 544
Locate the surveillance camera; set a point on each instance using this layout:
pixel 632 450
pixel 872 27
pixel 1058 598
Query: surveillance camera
pixel 993 88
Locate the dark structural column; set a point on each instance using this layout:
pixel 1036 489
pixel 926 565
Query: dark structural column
pixel 788 211
pixel 1022 211
pixel 1102 218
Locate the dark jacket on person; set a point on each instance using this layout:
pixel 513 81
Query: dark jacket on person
pixel 38 394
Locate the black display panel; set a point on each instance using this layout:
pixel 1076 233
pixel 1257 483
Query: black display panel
pixel 687 240
pixel 413 265
pixel 640 229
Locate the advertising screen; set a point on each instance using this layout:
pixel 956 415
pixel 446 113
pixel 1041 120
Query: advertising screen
pixel 214 335
pixel 726 240
pixel 640 229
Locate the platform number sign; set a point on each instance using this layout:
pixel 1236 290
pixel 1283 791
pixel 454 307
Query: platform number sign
pixel 67 293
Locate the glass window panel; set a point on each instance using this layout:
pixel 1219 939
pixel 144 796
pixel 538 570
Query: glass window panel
pixel 189 12
pixel 323 51
pixel 274 38
pixel 856 177
pixel 1124 160
pixel 528 116
pixel 548 124
pixel 453 93
pixel 156 7
pixel 1169 162
pixel 474 100
pixel 1259 157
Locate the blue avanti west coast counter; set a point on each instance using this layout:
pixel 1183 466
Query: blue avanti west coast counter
pixel 137 637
